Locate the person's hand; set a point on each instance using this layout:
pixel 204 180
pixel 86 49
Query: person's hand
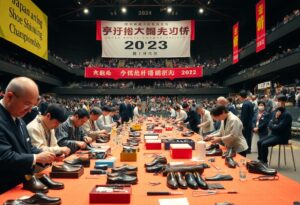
pixel 65 150
pixel 209 137
pixel 103 132
pixel 255 129
pixel 199 125
pixel 88 140
pixel 215 140
pixel 277 114
pixel 81 145
pixel 45 157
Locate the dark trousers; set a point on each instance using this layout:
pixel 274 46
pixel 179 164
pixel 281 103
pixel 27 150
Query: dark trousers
pixel 247 132
pixel 263 145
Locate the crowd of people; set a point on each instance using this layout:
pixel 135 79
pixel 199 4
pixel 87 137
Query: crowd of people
pixel 129 84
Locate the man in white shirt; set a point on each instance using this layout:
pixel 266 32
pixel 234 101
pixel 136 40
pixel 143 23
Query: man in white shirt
pixel 105 121
pixel 180 114
pixel 206 122
pixel 172 112
pixel 137 111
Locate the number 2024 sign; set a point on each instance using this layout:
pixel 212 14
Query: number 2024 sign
pixel 146 39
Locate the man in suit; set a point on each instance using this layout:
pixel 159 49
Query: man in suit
pixel 246 117
pixel 230 132
pixel 280 126
pixel 126 110
pixel 192 117
pixel 17 156
pixel 71 134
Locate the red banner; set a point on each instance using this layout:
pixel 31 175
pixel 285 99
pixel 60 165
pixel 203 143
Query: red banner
pixel 260 25
pixel 192 30
pixel 98 31
pixel 142 73
pixel 235 37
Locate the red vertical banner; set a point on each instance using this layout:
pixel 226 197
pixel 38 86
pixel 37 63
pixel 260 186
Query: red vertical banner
pixel 235 39
pixel 98 30
pixel 260 25
pixel 192 30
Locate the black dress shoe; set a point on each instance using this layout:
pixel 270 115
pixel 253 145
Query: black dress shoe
pixel 42 199
pixel 229 153
pixel 14 202
pixel 181 181
pixel 230 162
pixel 260 168
pixel 219 177
pixel 156 168
pixel 79 161
pixel 46 180
pixel 102 140
pixel 124 179
pixel 35 185
pixel 214 152
pixel 200 181
pixel 116 174
pixel 191 181
pixel 171 181
pixel 65 168
pixel 157 160
pixel 213 146
pixel 125 167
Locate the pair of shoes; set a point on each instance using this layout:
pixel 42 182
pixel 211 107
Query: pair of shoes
pixel 41 184
pixel 260 168
pixel 38 198
pixel 156 165
pixel 214 152
pixel 191 180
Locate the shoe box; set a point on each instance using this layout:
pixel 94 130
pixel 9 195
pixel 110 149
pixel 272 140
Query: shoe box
pixel 153 144
pixel 179 141
pixel 110 194
pixel 181 151
pixel 128 156
pixel 110 162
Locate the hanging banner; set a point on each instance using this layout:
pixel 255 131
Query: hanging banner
pixel 142 73
pixel 145 39
pixel 260 26
pixel 25 25
pixel 235 56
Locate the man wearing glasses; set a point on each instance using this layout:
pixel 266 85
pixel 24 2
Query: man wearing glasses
pixel 17 156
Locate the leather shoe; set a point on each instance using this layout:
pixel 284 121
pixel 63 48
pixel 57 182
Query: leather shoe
pixel 157 160
pixel 214 152
pixel 200 181
pixel 42 199
pixel 102 140
pixel 79 161
pixel 46 180
pixel 156 168
pixel 219 177
pixel 213 146
pixel 65 168
pixel 14 202
pixel 230 162
pixel 191 181
pixel 124 179
pixel 229 153
pixel 116 174
pixel 171 181
pixel 134 134
pixel 35 185
pixel 181 181
pixel 125 167
pixel 260 168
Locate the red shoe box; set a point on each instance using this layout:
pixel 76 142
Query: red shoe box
pixel 181 151
pixel 168 128
pixel 157 130
pixel 115 197
pixel 153 144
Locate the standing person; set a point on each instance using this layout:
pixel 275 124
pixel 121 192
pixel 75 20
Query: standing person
pixel 180 114
pixel 17 155
pixel 172 112
pixel 230 132
pixel 126 110
pixel 227 103
pixel 206 123
pixel 247 114
pixel 42 133
pixel 137 111
pixel 192 118
pixel 280 126
pixel 71 134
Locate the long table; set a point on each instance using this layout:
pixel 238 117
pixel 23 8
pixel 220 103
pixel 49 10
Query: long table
pixel 250 192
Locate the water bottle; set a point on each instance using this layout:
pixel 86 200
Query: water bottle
pixel 200 151
pixel 242 171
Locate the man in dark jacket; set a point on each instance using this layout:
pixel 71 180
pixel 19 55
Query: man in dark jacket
pixel 280 126
pixel 247 113
pixel 17 156
pixel 126 110
pixel 193 118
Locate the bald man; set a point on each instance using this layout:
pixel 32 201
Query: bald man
pixel 227 103
pixel 17 156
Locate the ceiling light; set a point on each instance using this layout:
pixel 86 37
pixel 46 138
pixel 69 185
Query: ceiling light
pixel 201 10
pixel 86 11
pixel 124 10
pixel 169 9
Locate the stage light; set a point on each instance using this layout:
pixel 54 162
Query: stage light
pixel 201 10
pixel 208 2
pixel 169 9
pixel 86 11
pixel 124 10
